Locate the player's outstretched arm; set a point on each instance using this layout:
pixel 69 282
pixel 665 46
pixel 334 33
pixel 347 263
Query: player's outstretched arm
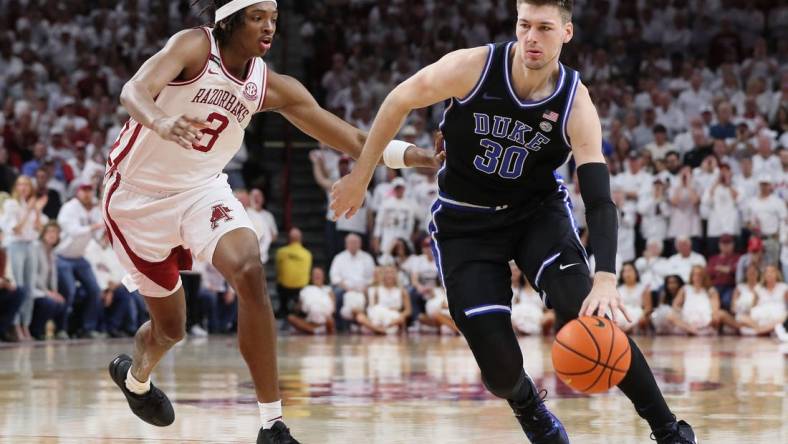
pixel 454 75
pixel 585 134
pixel 184 55
pixel 292 100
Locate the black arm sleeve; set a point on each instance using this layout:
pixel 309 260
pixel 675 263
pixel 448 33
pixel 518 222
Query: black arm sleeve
pixel 601 214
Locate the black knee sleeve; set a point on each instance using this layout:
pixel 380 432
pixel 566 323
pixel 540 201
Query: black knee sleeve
pixel 494 345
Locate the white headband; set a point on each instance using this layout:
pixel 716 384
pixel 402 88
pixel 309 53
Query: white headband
pixel 235 6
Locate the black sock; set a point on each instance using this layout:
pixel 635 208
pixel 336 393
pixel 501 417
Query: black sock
pixel 641 388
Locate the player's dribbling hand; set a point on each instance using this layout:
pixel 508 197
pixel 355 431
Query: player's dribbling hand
pixel 604 299
pixel 347 195
pixel 181 129
pixel 423 158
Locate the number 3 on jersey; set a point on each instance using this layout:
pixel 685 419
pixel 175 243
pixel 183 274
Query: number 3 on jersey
pixel 213 132
pixel 507 163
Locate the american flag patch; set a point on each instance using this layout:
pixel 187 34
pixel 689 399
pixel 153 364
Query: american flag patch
pixel 551 116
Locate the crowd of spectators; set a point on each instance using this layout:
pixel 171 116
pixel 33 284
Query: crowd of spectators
pixel 692 95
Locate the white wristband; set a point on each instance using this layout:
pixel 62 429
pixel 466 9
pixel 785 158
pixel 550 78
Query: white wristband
pixel 394 155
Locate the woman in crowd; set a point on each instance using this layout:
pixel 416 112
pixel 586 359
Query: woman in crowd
pixel 743 299
pixel 49 304
pixel 22 220
pixel 437 313
pixel 768 310
pixel 316 305
pixel 636 297
pixel 660 316
pixel 389 305
pixel 697 306
pixel 424 279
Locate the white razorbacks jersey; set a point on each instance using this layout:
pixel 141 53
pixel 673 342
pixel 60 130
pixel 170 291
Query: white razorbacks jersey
pixel 144 159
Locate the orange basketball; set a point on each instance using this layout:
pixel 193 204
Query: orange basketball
pixel 591 354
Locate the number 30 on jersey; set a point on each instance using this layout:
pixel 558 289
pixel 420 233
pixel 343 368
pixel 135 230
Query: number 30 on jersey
pixel 507 163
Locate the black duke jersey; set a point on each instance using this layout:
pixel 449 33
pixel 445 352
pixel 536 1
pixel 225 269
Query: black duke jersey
pixel 500 149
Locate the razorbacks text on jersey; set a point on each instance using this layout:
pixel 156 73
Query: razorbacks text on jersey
pixel 224 101
pixel 500 149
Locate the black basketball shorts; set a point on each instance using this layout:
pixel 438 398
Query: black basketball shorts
pixel 474 244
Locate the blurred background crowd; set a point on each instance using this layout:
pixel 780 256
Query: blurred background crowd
pixel 692 95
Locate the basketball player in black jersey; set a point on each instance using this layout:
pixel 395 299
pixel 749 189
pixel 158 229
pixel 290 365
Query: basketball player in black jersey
pixel 515 114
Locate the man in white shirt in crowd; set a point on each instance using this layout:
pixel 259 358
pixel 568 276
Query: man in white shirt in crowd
pixel 669 114
pixel 661 146
pixel 719 205
pixel 635 180
pixel 257 210
pixel 707 174
pixel 765 161
pixel 745 181
pixel 259 223
pixel 652 266
pixel 627 217
pixel 396 219
pixel 765 215
pixel 80 221
pixel 781 180
pixel 692 100
pixel 654 209
pixel 682 262
pixel 424 194
pixel 383 189
pixel 337 79
pixel 351 270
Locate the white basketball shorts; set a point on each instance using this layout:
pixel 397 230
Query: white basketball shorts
pixel 155 234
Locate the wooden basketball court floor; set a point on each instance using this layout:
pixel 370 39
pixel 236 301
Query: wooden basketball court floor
pixel 370 390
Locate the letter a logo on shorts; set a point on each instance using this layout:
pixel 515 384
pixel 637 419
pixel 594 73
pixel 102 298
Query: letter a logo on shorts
pixel 219 213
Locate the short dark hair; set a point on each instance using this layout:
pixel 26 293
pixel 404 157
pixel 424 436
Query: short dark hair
pixel 565 6
pixel 231 23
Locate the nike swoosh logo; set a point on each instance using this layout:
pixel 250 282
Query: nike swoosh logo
pixel 210 71
pixel 489 97
pixel 564 267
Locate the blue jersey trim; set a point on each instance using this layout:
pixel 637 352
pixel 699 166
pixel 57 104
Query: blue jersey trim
pixel 481 80
pixel 528 104
pixel 568 109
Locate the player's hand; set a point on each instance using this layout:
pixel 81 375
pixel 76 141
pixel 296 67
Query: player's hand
pixel 604 298
pixel 420 157
pixel 423 158
pixel 347 195
pixel 181 129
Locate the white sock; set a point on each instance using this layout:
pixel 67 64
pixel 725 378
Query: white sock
pixel 135 386
pixel 270 412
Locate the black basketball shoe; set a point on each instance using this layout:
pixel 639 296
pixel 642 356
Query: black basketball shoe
pixel 538 423
pixel 675 433
pixel 152 407
pixel 278 434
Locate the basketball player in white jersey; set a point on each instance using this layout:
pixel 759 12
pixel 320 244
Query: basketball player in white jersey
pixel 165 196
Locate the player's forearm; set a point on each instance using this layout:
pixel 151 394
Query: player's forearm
pixel 601 215
pixel 140 105
pixel 390 118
